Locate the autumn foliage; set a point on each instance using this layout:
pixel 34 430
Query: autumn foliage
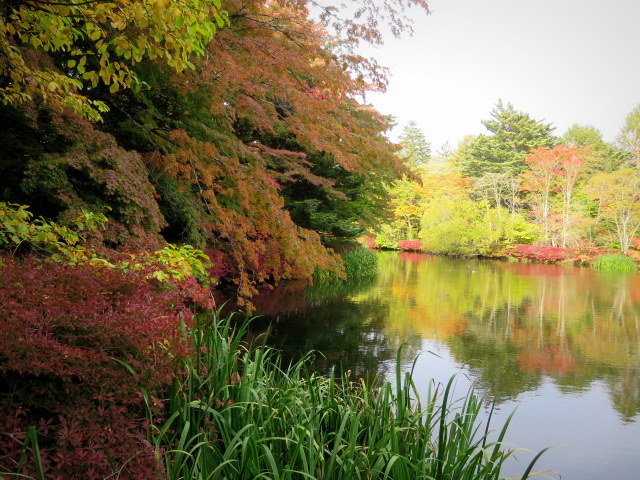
pixel 410 245
pixel 206 139
pixel 540 253
pixel 582 254
pixel 63 332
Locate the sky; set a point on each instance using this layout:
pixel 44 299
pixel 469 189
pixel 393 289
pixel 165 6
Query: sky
pixel 562 61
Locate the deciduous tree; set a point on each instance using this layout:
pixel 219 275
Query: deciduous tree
pixel 629 138
pixel 53 51
pixel 602 156
pixel 618 194
pixel 540 181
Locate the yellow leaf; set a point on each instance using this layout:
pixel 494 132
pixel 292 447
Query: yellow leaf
pixel 137 12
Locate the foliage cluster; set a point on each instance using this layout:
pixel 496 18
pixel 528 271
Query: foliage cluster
pixel 358 262
pixel 19 230
pixel 63 332
pixel 368 241
pixel 254 141
pixel 96 42
pixel 410 245
pixel 540 253
pixel 76 245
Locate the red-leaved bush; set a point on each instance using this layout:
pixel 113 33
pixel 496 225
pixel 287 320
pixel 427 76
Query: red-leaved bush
pixel 61 328
pixel 410 245
pixel 539 253
pixel 369 241
pixel 582 254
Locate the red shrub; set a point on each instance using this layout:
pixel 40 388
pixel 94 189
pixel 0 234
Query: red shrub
pixel 369 242
pixel 60 330
pixel 410 245
pixel 539 253
pixel 585 252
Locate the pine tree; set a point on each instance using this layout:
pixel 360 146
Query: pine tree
pixel 513 135
pixel 415 148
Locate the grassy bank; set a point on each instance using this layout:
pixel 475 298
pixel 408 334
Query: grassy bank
pixel 359 262
pixel 238 413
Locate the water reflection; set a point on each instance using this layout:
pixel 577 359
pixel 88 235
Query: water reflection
pixel 510 324
pixel 514 323
pixel 324 318
pixel 562 343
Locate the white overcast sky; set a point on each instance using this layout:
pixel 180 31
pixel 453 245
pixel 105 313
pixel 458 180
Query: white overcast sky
pixel 564 61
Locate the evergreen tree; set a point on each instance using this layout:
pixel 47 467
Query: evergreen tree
pixel 415 148
pixel 513 135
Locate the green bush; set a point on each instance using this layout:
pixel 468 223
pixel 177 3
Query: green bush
pixel 615 262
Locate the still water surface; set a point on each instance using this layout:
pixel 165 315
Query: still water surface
pixel 561 344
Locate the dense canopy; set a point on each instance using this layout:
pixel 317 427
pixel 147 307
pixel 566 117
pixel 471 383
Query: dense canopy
pixel 210 122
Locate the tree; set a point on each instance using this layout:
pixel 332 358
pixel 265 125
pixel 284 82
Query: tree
pixel 513 135
pixel 629 138
pixel 499 189
pixel 461 226
pixel 540 181
pixel 454 226
pixel 553 171
pixel 416 151
pixel 618 196
pixel 602 156
pixel 571 161
pixel 221 155
pixel 407 198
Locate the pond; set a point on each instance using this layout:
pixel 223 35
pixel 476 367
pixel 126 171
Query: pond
pixel 560 344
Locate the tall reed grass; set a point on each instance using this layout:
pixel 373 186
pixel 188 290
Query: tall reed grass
pixel 236 412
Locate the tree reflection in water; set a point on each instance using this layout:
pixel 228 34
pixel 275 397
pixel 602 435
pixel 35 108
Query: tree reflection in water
pixel 512 323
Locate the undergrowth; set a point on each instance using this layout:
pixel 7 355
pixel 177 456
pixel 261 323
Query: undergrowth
pixel 358 263
pixel 615 263
pixel 240 414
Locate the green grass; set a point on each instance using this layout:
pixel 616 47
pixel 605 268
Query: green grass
pixel 239 414
pixel 358 263
pixel 615 262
